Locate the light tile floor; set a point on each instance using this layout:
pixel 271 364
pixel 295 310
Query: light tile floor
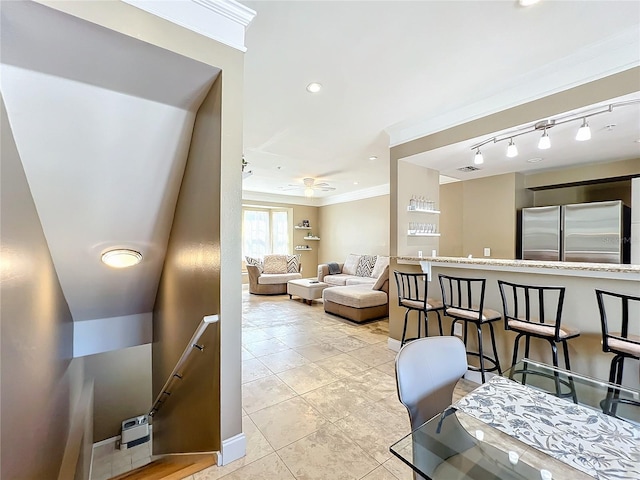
pixel 319 397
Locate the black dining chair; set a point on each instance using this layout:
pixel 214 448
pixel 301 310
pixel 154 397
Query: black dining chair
pixel 413 295
pixel 463 300
pixel 619 317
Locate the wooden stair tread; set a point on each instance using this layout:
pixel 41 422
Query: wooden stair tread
pixel 170 468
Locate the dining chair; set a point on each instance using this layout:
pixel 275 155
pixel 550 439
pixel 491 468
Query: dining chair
pixel 463 300
pixel 427 370
pixel 619 316
pixel 413 295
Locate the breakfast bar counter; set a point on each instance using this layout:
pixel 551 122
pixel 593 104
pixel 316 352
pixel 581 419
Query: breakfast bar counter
pixel 580 304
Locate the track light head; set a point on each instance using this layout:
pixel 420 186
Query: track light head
pixel 584 132
pixel 545 142
pixel 478 159
pixel 512 150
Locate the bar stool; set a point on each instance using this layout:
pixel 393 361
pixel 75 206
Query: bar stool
pixel 413 295
pixel 463 300
pixel 536 311
pixel 623 344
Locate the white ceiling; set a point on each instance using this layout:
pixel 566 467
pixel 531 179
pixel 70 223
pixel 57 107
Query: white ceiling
pixel 102 121
pixel 407 69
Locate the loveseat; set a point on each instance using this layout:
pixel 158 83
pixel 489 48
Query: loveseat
pixel 269 275
pixel 360 291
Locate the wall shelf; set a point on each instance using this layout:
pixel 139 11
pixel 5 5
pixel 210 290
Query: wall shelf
pixel 423 234
pixel 312 238
pixel 419 210
pixel 303 249
pixel 297 227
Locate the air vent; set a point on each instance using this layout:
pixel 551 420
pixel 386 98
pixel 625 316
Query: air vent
pixel 470 168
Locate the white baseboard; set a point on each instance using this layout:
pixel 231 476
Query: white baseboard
pixel 393 344
pixel 232 449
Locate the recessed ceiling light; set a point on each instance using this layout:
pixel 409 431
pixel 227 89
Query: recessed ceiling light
pixel 121 258
pixel 637 141
pixel 527 3
pixel 373 157
pixel 355 183
pixel 314 87
pixel 535 160
pixel 611 126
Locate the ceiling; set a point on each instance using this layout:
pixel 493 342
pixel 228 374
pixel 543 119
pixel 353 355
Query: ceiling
pixel 102 121
pixel 394 71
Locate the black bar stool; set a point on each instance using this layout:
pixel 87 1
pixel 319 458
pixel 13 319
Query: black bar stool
pixel 536 311
pixel 623 344
pixel 463 300
pixel 413 295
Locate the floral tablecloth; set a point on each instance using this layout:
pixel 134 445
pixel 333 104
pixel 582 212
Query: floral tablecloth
pixel 597 444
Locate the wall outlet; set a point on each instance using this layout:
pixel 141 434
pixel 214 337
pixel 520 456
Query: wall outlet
pixel 457 329
pixel 487 252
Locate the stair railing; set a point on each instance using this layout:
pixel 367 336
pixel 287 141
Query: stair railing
pixel 176 374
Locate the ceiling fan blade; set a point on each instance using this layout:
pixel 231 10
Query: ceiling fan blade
pixel 323 184
pixel 289 188
pixel 327 189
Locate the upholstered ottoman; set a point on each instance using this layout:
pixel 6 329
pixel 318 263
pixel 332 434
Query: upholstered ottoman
pixel 309 289
pixel 358 303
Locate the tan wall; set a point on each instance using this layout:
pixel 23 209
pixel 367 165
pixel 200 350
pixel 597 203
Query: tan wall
pixel 122 382
pixel 451 202
pixel 40 383
pixel 190 290
pixel 309 259
pixel 361 227
pixel 489 216
pixel 421 182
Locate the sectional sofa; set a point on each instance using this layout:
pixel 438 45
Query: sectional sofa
pixel 359 288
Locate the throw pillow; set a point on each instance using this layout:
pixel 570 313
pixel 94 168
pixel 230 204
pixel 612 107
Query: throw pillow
pixel 351 264
pixel 365 265
pixel 381 279
pixel 275 264
pixel 381 262
pixel 293 263
pixel 255 262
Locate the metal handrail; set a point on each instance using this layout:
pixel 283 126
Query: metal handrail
pixel 176 373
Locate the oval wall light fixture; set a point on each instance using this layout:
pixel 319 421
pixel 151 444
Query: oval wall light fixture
pixel 121 258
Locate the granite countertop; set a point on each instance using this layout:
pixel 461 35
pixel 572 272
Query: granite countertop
pixel 497 262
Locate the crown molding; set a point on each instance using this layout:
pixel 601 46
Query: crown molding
pixel 224 21
pixel 595 61
pixel 316 201
pixel 356 195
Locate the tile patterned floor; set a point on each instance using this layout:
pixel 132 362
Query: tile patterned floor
pixel 319 399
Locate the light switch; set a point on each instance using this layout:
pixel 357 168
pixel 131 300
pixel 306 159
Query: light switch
pixel 487 252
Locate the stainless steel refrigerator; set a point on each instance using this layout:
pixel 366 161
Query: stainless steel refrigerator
pixel 585 232
pixel 596 232
pixel 541 238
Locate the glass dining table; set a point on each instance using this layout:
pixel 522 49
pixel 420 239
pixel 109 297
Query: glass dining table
pixel 516 426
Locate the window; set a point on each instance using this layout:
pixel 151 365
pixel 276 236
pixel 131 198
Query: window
pixel 265 231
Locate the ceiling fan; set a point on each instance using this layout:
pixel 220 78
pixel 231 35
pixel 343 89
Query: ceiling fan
pixel 309 186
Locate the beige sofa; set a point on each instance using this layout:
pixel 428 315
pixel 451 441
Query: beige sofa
pixel 269 276
pixel 356 270
pixel 357 296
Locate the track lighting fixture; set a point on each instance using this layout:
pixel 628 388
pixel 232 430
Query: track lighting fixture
pixel 583 134
pixel 545 141
pixel 478 159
